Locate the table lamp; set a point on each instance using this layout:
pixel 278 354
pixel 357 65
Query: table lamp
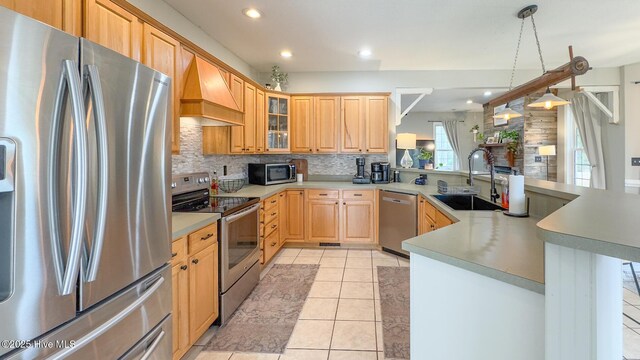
pixel 547 150
pixel 406 141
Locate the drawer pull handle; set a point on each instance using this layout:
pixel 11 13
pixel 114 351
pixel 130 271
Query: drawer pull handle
pixel 273 244
pixel 323 194
pixel 174 255
pixel 357 194
pixel 274 226
pixel 183 267
pixel 206 237
pixel 195 261
pixel 273 201
pixel 273 214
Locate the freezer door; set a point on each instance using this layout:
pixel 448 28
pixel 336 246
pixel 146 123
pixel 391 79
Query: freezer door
pixel 43 188
pixel 113 328
pixel 128 208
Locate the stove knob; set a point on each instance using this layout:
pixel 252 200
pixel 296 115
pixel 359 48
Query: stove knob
pixel 200 181
pixel 173 185
pixel 206 179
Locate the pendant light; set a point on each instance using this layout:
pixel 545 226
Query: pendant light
pixel 548 100
pixel 508 113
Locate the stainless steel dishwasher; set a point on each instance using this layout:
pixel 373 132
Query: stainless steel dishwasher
pixel 398 220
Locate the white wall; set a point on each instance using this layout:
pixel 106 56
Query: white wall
pixel 167 15
pixel 630 102
pixel 419 124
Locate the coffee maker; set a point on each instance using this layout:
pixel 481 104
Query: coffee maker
pixel 380 172
pixel 360 177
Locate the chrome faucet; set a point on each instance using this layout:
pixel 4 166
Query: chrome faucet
pixel 491 161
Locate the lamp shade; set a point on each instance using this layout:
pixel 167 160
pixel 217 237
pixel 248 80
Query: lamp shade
pixel 406 141
pixel 547 150
pixel 548 101
pixel 507 113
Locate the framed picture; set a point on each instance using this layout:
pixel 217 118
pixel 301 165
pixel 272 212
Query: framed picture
pixel 491 140
pixel 496 110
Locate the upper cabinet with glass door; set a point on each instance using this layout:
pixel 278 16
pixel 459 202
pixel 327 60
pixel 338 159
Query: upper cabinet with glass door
pixel 277 123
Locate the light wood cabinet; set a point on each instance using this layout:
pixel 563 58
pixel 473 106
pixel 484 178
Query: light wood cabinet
pixel 351 124
pixel 194 276
pixel 283 216
pixel 277 123
pixel 236 84
pixel 111 26
pixel 62 14
pixel 357 221
pixel 203 291
pixel 260 121
pixel 327 124
pixel 161 52
pixel 180 302
pixel 323 220
pixel 430 218
pixel 376 125
pixel 243 138
pixel 302 113
pixel 442 220
pixel 295 212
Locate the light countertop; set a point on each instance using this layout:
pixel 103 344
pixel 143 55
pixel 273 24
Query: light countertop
pixel 185 223
pixel 484 242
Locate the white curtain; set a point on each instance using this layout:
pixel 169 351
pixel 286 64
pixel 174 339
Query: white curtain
pixel 589 119
pixel 451 129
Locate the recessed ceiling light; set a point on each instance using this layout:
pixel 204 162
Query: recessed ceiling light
pixel 469 101
pixel 487 93
pixel 252 13
pixel 286 54
pixel 364 53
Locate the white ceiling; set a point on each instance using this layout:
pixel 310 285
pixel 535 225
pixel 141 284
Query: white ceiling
pixel 447 100
pixel 418 34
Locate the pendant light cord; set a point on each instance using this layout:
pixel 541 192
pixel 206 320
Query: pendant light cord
pixel 535 32
pixel 515 60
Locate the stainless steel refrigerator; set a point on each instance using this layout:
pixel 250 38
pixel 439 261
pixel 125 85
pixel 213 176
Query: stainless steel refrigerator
pixel 84 199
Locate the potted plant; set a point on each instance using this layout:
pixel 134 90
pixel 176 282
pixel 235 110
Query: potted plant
pixel 425 159
pixel 475 129
pixel 511 139
pixel 280 78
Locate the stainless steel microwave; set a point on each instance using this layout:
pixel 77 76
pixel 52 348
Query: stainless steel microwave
pixel 271 174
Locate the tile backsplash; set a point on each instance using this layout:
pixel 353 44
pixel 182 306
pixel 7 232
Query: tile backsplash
pixel 191 159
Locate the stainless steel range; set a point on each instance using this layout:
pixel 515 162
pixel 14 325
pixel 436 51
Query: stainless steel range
pixel 238 233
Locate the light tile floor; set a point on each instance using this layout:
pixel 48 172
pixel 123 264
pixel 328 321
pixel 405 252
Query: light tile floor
pixel 631 326
pixel 341 317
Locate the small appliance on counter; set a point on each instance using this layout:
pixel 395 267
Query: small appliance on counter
pixel 360 177
pixel 271 174
pixel 380 172
pixel 396 176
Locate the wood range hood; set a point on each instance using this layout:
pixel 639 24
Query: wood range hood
pixel 207 96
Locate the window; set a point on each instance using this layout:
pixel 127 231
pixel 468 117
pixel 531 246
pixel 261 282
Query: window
pixel 444 152
pixel 578 167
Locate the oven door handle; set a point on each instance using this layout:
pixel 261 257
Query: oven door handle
pixel 238 215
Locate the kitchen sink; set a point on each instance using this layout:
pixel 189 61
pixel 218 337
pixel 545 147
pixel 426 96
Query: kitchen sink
pixel 467 202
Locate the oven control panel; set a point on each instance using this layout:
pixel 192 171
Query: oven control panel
pixel 182 183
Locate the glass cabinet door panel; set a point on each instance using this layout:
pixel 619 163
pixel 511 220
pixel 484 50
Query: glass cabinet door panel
pixel 284 106
pixel 273 105
pixel 282 123
pixel 273 123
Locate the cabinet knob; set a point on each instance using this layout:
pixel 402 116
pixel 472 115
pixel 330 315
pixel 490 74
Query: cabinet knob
pixel 183 267
pixel 303 193
pixel 317 149
pixel 336 203
pixel 344 203
pixel 360 150
pixel 310 149
pixel 195 261
pixel 266 149
pixel 367 150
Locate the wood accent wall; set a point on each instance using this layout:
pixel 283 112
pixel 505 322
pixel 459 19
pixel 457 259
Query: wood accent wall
pixel 536 128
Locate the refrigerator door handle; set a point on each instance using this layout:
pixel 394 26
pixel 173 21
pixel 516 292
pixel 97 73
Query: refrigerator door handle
pixel 88 338
pixel 93 88
pixel 69 83
pixel 149 351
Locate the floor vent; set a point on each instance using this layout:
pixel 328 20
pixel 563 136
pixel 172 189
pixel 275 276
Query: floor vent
pixel 330 244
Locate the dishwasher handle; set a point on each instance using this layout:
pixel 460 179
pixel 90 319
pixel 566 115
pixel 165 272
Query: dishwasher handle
pixel 396 201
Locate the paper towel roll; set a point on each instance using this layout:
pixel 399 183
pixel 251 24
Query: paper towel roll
pixel 517 199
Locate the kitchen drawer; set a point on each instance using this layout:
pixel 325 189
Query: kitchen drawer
pixel 261 229
pixel 430 210
pixel 178 250
pixel 357 194
pixel 270 227
pixel 270 215
pixel 202 238
pixel 261 212
pixel 324 194
pixel 271 245
pixel 270 203
pixel 442 220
